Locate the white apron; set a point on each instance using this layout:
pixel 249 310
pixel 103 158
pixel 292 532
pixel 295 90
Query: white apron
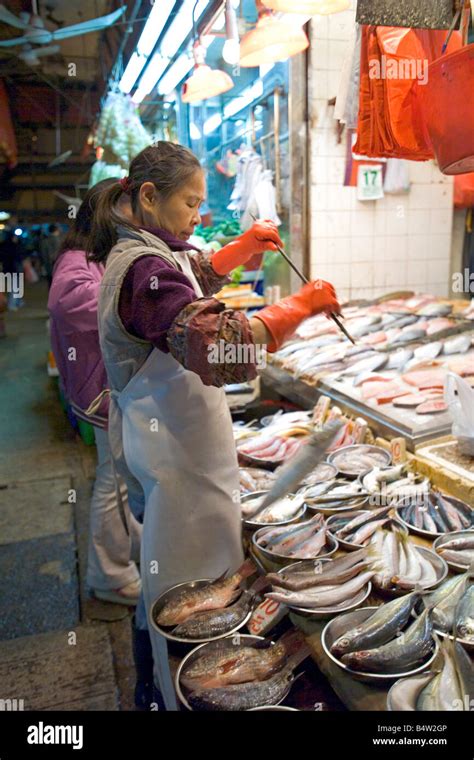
pixel 178 444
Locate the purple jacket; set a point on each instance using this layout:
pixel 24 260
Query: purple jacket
pixel 72 305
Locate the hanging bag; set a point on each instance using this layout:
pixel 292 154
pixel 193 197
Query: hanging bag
pixel 461 408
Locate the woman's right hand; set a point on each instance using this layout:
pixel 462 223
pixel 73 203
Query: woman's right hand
pixel 318 296
pixel 282 318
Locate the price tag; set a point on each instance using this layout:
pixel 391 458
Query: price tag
pixel 266 616
pixel 399 450
pixel 369 182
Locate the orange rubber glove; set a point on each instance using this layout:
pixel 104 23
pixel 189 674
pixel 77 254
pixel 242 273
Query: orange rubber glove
pixel 261 237
pixel 282 318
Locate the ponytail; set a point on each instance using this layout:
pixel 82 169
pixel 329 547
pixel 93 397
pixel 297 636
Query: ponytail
pixel 103 234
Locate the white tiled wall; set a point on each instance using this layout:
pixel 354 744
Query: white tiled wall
pixel 369 248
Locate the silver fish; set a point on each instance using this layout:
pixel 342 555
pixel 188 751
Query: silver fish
pixel 435 310
pixel 457 345
pixel 379 629
pixel 429 350
pixel 295 471
pixel 443 615
pixel 415 644
pixel 414 333
pixel 365 326
pixel 325 596
pixel 371 363
pixel 399 358
pixel 464 615
pixel 404 695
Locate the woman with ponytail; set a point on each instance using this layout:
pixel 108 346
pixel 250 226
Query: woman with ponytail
pixel 159 325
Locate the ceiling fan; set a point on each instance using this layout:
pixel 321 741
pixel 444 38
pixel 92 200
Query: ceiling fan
pixel 35 32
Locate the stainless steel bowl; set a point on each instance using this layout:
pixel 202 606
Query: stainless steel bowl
pixel 346 505
pixel 439 565
pixel 228 642
pixel 339 625
pixel 249 523
pixel 394 703
pixel 321 474
pixel 174 591
pixel 447 537
pixel 348 545
pixel 363 448
pixel 326 612
pixel 412 528
pixel 279 708
pixel 283 560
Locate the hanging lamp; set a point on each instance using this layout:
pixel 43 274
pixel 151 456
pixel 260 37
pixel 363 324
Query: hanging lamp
pixel 309 7
pixel 271 41
pixel 205 82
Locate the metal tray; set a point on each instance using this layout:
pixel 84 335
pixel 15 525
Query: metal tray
pixel 283 560
pixel 249 523
pixel 226 643
pixel 326 612
pixel 363 448
pixel 337 627
pixel 159 603
pixel 446 537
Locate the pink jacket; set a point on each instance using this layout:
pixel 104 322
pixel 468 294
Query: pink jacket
pixel 72 305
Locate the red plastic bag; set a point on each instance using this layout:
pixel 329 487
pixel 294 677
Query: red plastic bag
pixel 393 60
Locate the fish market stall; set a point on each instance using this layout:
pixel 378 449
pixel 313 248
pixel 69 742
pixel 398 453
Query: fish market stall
pixel 394 377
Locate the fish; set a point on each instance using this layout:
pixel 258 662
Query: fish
pixel 334 572
pixel 312 547
pixel 443 613
pixel 464 616
pixel 398 359
pixel 460 543
pixel 281 510
pixel 294 472
pixel 362 519
pixel 404 696
pixel 423 379
pixel 288 536
pixel 435 310
pixel 369 377
pixel 297 545
pixel 414 333
pixel 398 655
pixel 239 697
pixel 374 479
pixel 369 364
pixel 205 625
pixel 365 325
pixel 380 628
pixel 216 594
pixel 459 344
pixel 452 688
pixel 439 324
pixel 358 460
pixel 324 597
pixel 428 350
pixel 432 407
pixel 452 514
pixel 240 664
pixel 409 401
pixel 462 558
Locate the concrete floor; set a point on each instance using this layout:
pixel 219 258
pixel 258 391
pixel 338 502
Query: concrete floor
pixel 59 649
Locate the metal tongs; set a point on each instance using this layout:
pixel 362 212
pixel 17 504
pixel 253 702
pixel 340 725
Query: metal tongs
pixel 304 279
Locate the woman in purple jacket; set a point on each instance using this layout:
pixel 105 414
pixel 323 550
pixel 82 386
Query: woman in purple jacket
pixel 114 532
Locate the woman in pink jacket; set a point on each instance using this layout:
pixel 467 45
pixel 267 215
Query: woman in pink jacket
pixel 114 532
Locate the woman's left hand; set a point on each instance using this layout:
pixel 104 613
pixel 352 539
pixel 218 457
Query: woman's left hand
pixel 262 236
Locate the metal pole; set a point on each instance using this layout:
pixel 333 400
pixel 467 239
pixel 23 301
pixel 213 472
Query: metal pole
pixel 276 129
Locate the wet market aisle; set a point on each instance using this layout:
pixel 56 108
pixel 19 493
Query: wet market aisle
pixel 58 649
